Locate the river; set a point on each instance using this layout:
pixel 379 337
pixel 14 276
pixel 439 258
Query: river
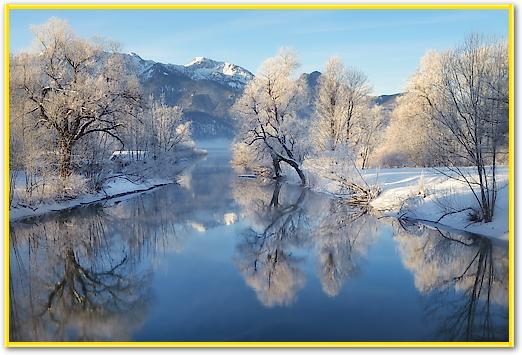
pixel 217 257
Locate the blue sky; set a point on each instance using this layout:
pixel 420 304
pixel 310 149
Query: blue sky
pixel 386 44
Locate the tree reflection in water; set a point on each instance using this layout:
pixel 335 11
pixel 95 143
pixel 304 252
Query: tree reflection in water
pixel 464 277
pixel 264 255
pixel 342 236
pixel 284 225
pixel 79 276
pixel 86 274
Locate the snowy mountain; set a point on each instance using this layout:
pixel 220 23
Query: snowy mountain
pixel 206 90
pixel 200 68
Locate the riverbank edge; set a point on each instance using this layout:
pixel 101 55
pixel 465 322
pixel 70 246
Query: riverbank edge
pixel 113 191
pixel 19 214
pixel 456 227
pixel 418 193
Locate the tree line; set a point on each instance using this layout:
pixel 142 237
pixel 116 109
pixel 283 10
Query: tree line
pixel 73 103
pixel 453 115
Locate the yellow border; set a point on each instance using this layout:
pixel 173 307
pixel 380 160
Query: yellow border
pixel 509 7
pixel 6 175
pixel 511 181
pixel 259 6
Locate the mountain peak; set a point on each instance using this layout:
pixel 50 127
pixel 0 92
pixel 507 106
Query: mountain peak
pixel 200 60
pixel 200 68
pixel 135 55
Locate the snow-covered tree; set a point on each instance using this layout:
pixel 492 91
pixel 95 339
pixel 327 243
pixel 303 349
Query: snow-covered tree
pixel 358 90
pixel 168 128
pixel 340 130
pixel 370 135
pixel 411 146
pixel 331 107
pixel 76 88
pixel 268 114
pixel 27 147
pixel 463 95
pixel 341 104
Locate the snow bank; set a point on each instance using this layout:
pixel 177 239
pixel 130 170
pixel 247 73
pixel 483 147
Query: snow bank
pixel 426 194
pixel 117 187
pixel 417 193
pixel 163 173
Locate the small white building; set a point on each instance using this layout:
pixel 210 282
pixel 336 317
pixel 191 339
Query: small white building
pixel 128 155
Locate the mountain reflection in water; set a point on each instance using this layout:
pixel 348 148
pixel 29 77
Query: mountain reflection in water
pixel 220 258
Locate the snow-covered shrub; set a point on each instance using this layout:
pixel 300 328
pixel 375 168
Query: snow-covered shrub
pixel 474 215
pixel 450 203
pixel 59 189
pixel 447 200
pixel 248 159
pixel 422 191
pixel 336 172
pixel 410 205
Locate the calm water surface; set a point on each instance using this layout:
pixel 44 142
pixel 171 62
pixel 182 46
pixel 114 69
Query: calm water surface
pixel 221 258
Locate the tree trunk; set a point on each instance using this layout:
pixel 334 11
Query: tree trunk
pixel 65 159
pixel 297 169
pixel 274 202
pixel 276 161
pixel 364 158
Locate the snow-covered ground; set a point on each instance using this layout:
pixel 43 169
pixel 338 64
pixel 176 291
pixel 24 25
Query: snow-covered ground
pixel 117 187
pixel 427 195
pixel 423 194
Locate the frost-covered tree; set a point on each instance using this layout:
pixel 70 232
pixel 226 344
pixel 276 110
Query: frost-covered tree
pixel 75 87
pixel 341 104
pixel 168 129
pixel 27 147
pixel 463 95
pixel 331 107
pixel 268 114
pixel 358 90
pixel 411 146
pixel 341 133
pixel 371 131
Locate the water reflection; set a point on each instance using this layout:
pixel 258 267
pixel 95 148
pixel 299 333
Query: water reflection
pixel 69 279
pixel 342 236
pixel 283 226
pixel 130 270
pixel 465 277
pixel 264 256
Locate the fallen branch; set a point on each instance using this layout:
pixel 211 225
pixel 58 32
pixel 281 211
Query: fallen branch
pixel 454 212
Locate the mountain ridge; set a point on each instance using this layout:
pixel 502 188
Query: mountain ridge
pixel 206 89
pixel 200 68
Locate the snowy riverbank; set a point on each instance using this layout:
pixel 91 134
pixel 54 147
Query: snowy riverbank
pixel 117 187
pixel 114 188
pixel 425 194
